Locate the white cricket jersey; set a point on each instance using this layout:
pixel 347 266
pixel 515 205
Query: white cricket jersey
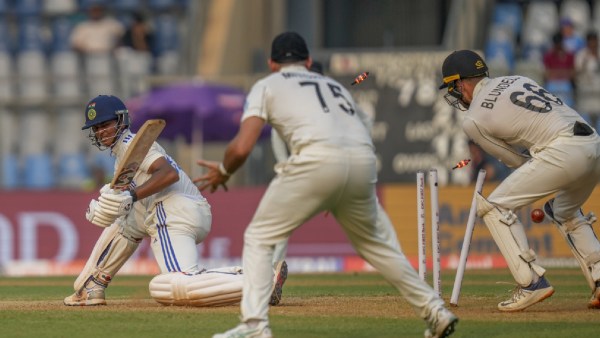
pixel 184 186
pixel 511 113
pixel 307 109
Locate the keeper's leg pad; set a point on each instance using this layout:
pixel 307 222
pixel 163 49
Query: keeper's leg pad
pixel 580 236
pixel 207 288
pixel 111 251
pixel 509 235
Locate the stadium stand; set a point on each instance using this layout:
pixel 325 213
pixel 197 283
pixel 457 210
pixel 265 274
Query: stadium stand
pixel 43 83
pixel 533 23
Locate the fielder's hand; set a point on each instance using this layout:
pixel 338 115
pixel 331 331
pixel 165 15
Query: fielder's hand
pixel 97 216
pixel 116 203
pixel 215 176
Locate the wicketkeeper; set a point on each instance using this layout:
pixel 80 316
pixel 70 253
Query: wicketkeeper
pixel 510 114
pixel 161 203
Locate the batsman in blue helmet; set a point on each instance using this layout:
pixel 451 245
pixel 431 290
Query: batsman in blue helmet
pixel 161 203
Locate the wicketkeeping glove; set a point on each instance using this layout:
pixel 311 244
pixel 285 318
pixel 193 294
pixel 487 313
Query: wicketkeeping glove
pixel 97 216
pixel 115 202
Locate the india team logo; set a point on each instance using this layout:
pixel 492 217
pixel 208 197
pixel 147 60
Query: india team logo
pixel 91 114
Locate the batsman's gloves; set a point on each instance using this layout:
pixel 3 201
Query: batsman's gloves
pixel 115 202
pixel 97 216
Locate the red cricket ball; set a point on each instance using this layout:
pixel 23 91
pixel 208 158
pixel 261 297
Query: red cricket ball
pixel 537 215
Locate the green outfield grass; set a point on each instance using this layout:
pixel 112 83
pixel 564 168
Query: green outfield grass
pixel 314 305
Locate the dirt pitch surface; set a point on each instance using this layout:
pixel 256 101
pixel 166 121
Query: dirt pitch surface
pixel 313 305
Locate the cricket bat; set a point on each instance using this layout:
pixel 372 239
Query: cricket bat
pixel 136 153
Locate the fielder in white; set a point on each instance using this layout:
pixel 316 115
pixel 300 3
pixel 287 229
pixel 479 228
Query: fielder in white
pixel 553 151
pixel 162 203
pixel 331 168
pixel 281 152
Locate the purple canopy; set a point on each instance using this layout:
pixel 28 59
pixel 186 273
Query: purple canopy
pixel 187 107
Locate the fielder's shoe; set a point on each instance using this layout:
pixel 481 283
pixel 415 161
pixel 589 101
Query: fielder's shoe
pixel 281 271
pixel 595 300
pixel 262 330
pixel 85 297
pixel 441 323
pixel 523 298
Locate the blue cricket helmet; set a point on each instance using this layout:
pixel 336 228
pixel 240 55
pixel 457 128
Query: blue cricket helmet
pixel 104 108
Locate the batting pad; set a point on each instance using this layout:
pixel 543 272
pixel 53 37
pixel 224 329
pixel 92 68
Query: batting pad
pixel 510 238
pixel 110 252
pixel 208 288
pixel 579 235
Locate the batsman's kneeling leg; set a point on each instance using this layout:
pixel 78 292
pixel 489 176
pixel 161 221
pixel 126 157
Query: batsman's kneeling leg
pixel 207 288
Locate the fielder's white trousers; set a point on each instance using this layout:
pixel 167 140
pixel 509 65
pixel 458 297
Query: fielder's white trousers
pixel 342 181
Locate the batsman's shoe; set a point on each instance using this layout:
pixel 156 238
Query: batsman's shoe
pixel 441 323
pixel 523 298
pixel 262 330
pixel 86 298
pixel 281 271
pixel 595 300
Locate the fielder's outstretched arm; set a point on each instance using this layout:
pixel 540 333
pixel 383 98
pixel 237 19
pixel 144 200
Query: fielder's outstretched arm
pixel 236 154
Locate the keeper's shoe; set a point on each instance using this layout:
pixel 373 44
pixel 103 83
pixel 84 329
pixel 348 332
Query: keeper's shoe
pixel 281 272
pixel 262 330
pixel 523 298
pixel 595 300
pixel 441 323
pixel 91 297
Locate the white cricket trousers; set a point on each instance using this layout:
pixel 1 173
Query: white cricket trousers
pixel 175 226
pixel 343 182
pixel 569 167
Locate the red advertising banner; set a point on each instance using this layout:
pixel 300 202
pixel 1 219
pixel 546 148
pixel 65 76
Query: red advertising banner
pixel 39 229
pixel 45 232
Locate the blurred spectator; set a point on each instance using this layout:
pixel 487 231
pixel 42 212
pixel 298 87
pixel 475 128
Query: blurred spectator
pixel 587 67
pixel 138 35
pixel 559 62
pixel 572 40
pixel 98 34
pixel 135 56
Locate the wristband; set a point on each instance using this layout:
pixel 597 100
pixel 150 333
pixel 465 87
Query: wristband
pixel 222 170
pixel 133 195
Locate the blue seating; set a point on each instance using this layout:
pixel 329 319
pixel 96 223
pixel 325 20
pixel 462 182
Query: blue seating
pixel 159 5
pixel 166 34
pixel 5 38
pixel 85 4
pixel 126 5
pixel 103 160
pixel 500 52
pixel 509 14
pixel 563 89
pixel 72 170
pixel 28 7
pixel 30 34
pixel 61 33
pixel 4 6
pixel 587 117
pixel 39 173
pixel 10 171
